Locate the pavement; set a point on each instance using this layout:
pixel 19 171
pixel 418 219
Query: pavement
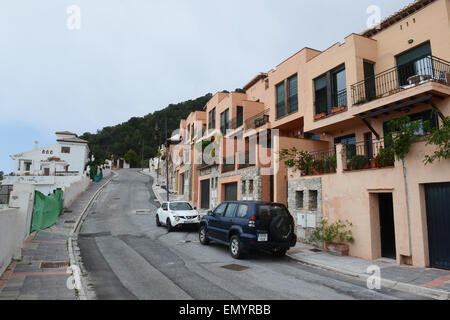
pixel 428 282
pixel 32 278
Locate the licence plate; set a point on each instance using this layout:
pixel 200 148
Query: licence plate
pixel 263 237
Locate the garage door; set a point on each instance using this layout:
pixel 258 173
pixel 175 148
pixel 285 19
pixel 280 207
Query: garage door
pixel 438 217
pixel 205 185
pixel 231 192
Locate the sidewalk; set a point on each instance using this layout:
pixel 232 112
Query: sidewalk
pixel 422 281
pixel 42 272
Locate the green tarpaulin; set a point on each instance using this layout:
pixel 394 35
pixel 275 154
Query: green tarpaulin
pixel 96 178
pixel 46 210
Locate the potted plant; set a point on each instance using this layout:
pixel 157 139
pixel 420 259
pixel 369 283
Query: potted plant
pixel 385 158
pixel 320 116
pixel 359 162
pixel 335 237
pixel 338 109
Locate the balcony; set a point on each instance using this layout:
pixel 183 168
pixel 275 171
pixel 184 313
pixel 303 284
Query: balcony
pixel 339 104
pixel 258 120
pixel 236 123
pixel 368 155
pixel 397 79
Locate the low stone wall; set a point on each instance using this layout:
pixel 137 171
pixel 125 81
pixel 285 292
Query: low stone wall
pixel 15 224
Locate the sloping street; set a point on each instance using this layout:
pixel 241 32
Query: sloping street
pixel 126 256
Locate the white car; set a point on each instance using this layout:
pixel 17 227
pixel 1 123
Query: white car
pixel 177 214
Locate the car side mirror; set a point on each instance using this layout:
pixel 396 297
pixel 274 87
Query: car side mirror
pixel 195 208
pixel 210 213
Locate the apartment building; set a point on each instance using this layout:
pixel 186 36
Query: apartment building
pixel 335 104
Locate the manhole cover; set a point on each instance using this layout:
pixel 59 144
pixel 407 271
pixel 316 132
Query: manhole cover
pixel 315 250
pixel 116 198
pixel 235 267
pixel 93 212
pixel 69 221
pixel 54 265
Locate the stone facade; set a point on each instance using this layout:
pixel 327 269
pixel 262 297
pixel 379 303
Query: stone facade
pixel 251 184
pixel 214 194
pixel 305 204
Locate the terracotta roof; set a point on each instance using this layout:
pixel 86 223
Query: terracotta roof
pixel 399 15
pixel 67 133
pixel 73 140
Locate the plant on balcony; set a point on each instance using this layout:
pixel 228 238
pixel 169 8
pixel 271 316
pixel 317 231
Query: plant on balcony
pixel 300 160
pixel 325 165
pixel 385 158
pixel 335 237
pixel 359 162
pixel 338 109
pixel 405 132
pixel 320 116
pixel 439 137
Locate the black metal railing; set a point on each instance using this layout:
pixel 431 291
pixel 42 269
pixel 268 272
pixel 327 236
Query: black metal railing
pixel 325 161
pixel 66 173
pixel 228 165
pixel 369 154
pixel 427 68
pixel 5 192
pixel 258 120
pixel 236 123
pixel 340 98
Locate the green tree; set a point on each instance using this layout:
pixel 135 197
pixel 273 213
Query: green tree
pixel 132 158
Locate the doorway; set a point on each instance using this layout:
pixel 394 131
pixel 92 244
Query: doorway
pixel 231 193
pixel 205 194
pixel 387 227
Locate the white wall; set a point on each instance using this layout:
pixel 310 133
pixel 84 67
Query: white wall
pixel 15 224
pixel 74 190
pixel 44 184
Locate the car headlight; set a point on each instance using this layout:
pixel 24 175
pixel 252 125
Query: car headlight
pixel 177 219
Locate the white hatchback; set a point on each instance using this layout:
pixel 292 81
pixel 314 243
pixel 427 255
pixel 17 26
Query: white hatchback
pixel 177 214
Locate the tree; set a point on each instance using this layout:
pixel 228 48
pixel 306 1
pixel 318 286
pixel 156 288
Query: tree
pixel 1 175
pixel 132 158
pixel 440 137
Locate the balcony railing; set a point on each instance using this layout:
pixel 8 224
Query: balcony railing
pixel 427 68
pixel 236 123
pixel 258 120
pixel 369 154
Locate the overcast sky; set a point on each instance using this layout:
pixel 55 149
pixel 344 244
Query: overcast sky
pixel 132 57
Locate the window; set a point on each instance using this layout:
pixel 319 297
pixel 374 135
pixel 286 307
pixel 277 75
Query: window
pixel 281 104
pixel 299 199
pixel 369 76
pixel 293 94
pixel 320 85
pixel 231 210
pixel 312 136
pixel 244 191
pixel 220 210
pixel 313 195
pixel 242 211
pixel 164 206
pixel 65 149
pixel 212 119
pixel 250 186
pixel 333 84
pixel 239 116
pixel 414 62
pixel 224 122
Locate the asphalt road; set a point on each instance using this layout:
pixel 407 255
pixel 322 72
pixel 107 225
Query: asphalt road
pixel 128 257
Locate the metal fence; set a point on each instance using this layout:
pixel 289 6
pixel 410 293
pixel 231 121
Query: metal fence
pixel 5 192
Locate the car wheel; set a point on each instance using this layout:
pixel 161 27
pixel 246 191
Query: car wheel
pixel 158 223
pixel 279 252
pixel 236 249
pixel 169 225
pixel 204 240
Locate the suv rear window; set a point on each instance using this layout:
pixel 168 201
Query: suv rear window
pixel 268 212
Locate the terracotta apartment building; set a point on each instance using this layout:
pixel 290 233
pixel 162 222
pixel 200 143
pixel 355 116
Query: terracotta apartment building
pixel 336 104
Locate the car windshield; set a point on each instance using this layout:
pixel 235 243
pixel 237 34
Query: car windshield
pixel 270 211
pixel 180 206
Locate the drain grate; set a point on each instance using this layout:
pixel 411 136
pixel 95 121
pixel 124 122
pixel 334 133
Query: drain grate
pixel 69 221
pixel 95 235
pixel 116 198
pixel 235 267
pixel 68 211
pixel 315 250
pixel 54 265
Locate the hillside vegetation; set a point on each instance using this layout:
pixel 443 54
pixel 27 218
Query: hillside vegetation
pixel 119 140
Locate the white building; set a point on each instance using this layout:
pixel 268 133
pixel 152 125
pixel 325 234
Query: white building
pixel 68 157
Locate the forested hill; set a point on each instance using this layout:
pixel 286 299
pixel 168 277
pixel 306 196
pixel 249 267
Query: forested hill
pixel 120 139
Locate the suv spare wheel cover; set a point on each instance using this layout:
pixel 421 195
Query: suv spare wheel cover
pixel 280 228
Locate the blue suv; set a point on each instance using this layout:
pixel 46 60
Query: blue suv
pixel 244 225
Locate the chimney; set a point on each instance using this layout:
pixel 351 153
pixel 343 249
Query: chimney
pixel 36 145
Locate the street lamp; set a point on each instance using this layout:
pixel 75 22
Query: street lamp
pixel 159 158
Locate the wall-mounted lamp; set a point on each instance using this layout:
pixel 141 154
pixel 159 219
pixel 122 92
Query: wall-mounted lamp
pixel 410 41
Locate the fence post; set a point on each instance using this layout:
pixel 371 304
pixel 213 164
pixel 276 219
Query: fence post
pixel 341 157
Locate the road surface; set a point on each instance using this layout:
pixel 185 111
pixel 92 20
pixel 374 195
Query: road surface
pixel 128 257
